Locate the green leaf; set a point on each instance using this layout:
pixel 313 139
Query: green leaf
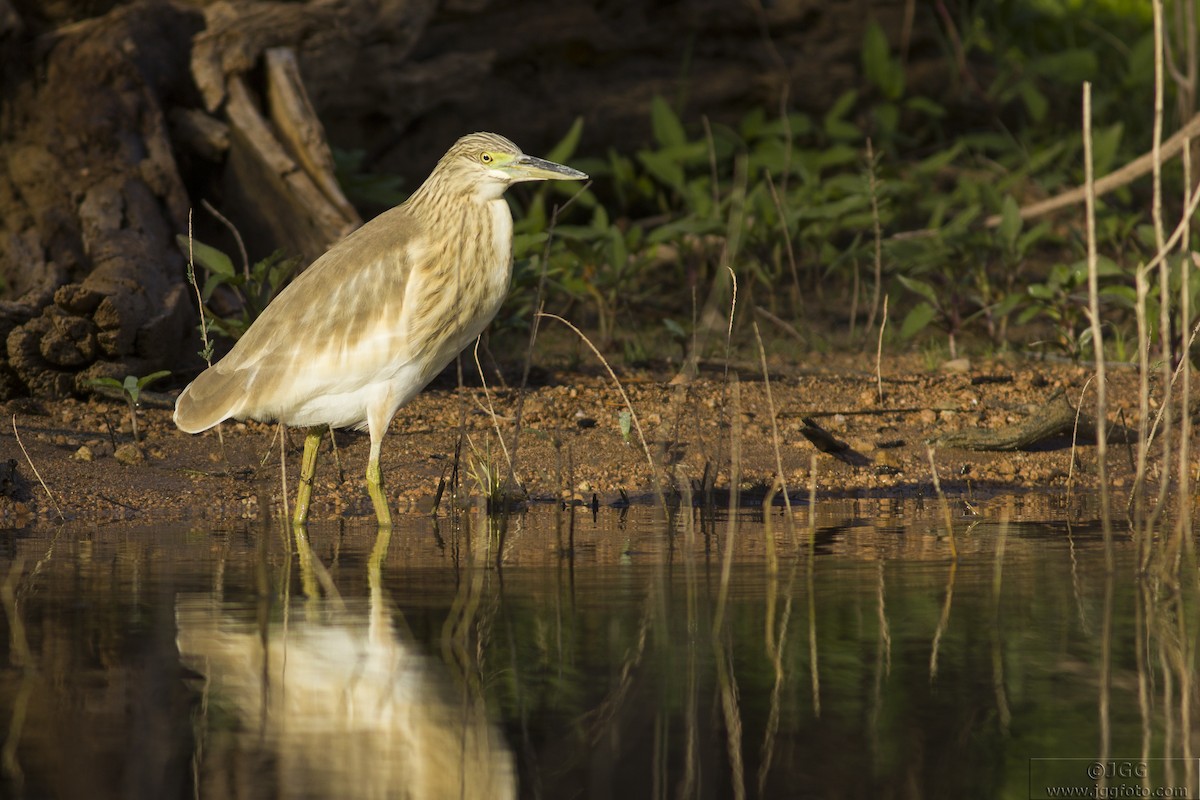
pixel 1035 102
pixel 1040 291
pixel 666 169
pixel 1010 223
pixel 938 160
pixel 924 105
pixel 879 68
pixel 920 287
pixel 1068 67
pixel 917 320
pixel 209 257
pixel 566 148
pixel 668 130
pixel 152 377
pixel 625 420
pixel 1105 143
pixel 835 124
pixel 877 60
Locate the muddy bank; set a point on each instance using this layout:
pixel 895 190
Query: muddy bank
pixel 573 443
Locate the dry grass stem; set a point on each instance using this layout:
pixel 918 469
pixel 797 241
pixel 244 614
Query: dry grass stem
pixel 947 515
pixel 769 530
pixel 787 233
pixel 237 236
pixel 812 503
pixel 191 274
pixel 1184 523
pixel 1097 332
pixel 735 478
pixel 1164 271
pixel 873 186
pixel 1075 439
pixel 287 514
pixel 775 438
pixel 37 474
pixel 491 410
pixel 539 304
pixel 943 620
pixel 620 388
pixel 879 350
pixel 1113 180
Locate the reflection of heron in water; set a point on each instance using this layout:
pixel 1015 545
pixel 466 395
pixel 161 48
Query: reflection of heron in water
pixel 334 707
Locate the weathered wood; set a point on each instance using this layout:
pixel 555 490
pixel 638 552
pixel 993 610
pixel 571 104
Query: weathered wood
pixel 234 37
pixel 1055 419
pixel 271 191
pixel 95 184
pixel 300 131
pixel 89 246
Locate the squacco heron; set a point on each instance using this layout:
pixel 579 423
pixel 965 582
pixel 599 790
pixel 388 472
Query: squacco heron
pixel 365 328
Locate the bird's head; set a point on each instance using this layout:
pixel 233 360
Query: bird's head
pixel 490 163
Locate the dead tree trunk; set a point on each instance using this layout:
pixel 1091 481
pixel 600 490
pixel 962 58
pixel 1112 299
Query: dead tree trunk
pixel 90 199
pixel 113 128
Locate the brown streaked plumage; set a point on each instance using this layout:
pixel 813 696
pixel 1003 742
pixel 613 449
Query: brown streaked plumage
pixel 372 321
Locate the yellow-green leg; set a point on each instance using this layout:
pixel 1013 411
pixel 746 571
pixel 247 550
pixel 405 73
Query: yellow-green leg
pixel 375 489
pixel 379 414
pixel 308 468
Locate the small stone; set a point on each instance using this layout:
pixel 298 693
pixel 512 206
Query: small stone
pixel 887 458
pixel 927 416
pixel 128 454
pixel 83 454
pixel 957 365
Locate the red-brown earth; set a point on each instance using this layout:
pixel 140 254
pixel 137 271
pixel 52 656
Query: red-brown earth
pixel 572 443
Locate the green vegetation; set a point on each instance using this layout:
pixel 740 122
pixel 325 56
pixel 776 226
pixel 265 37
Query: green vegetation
pixel 792 202
pixel 789 202
pixel 131 389
pixel 248 291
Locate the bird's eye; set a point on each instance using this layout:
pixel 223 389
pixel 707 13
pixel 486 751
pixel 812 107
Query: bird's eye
pixel 485 158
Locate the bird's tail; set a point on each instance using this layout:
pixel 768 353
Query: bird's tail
pixel 207 401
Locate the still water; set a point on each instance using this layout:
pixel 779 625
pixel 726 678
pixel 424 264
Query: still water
pixel 566 655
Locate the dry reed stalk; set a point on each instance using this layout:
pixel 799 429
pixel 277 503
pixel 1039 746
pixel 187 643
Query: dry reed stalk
pixel 787 234
pixel 287 514
pixel 1075 439
pixel 492 410
pixel 207 350
pixel 943 620
pixel 812 504
pixel 735 477
pixel 1003 709
pixel 37 474
pixel 775 440
pixel 538 303
pixel 620 388
pixel 947 515
pixel 1185 86
pixel 769 533
pixel 879 350
pixel 1164 270
pixel 873 186
pixel 814 665
pixel 1097 334
pixel 1105 682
